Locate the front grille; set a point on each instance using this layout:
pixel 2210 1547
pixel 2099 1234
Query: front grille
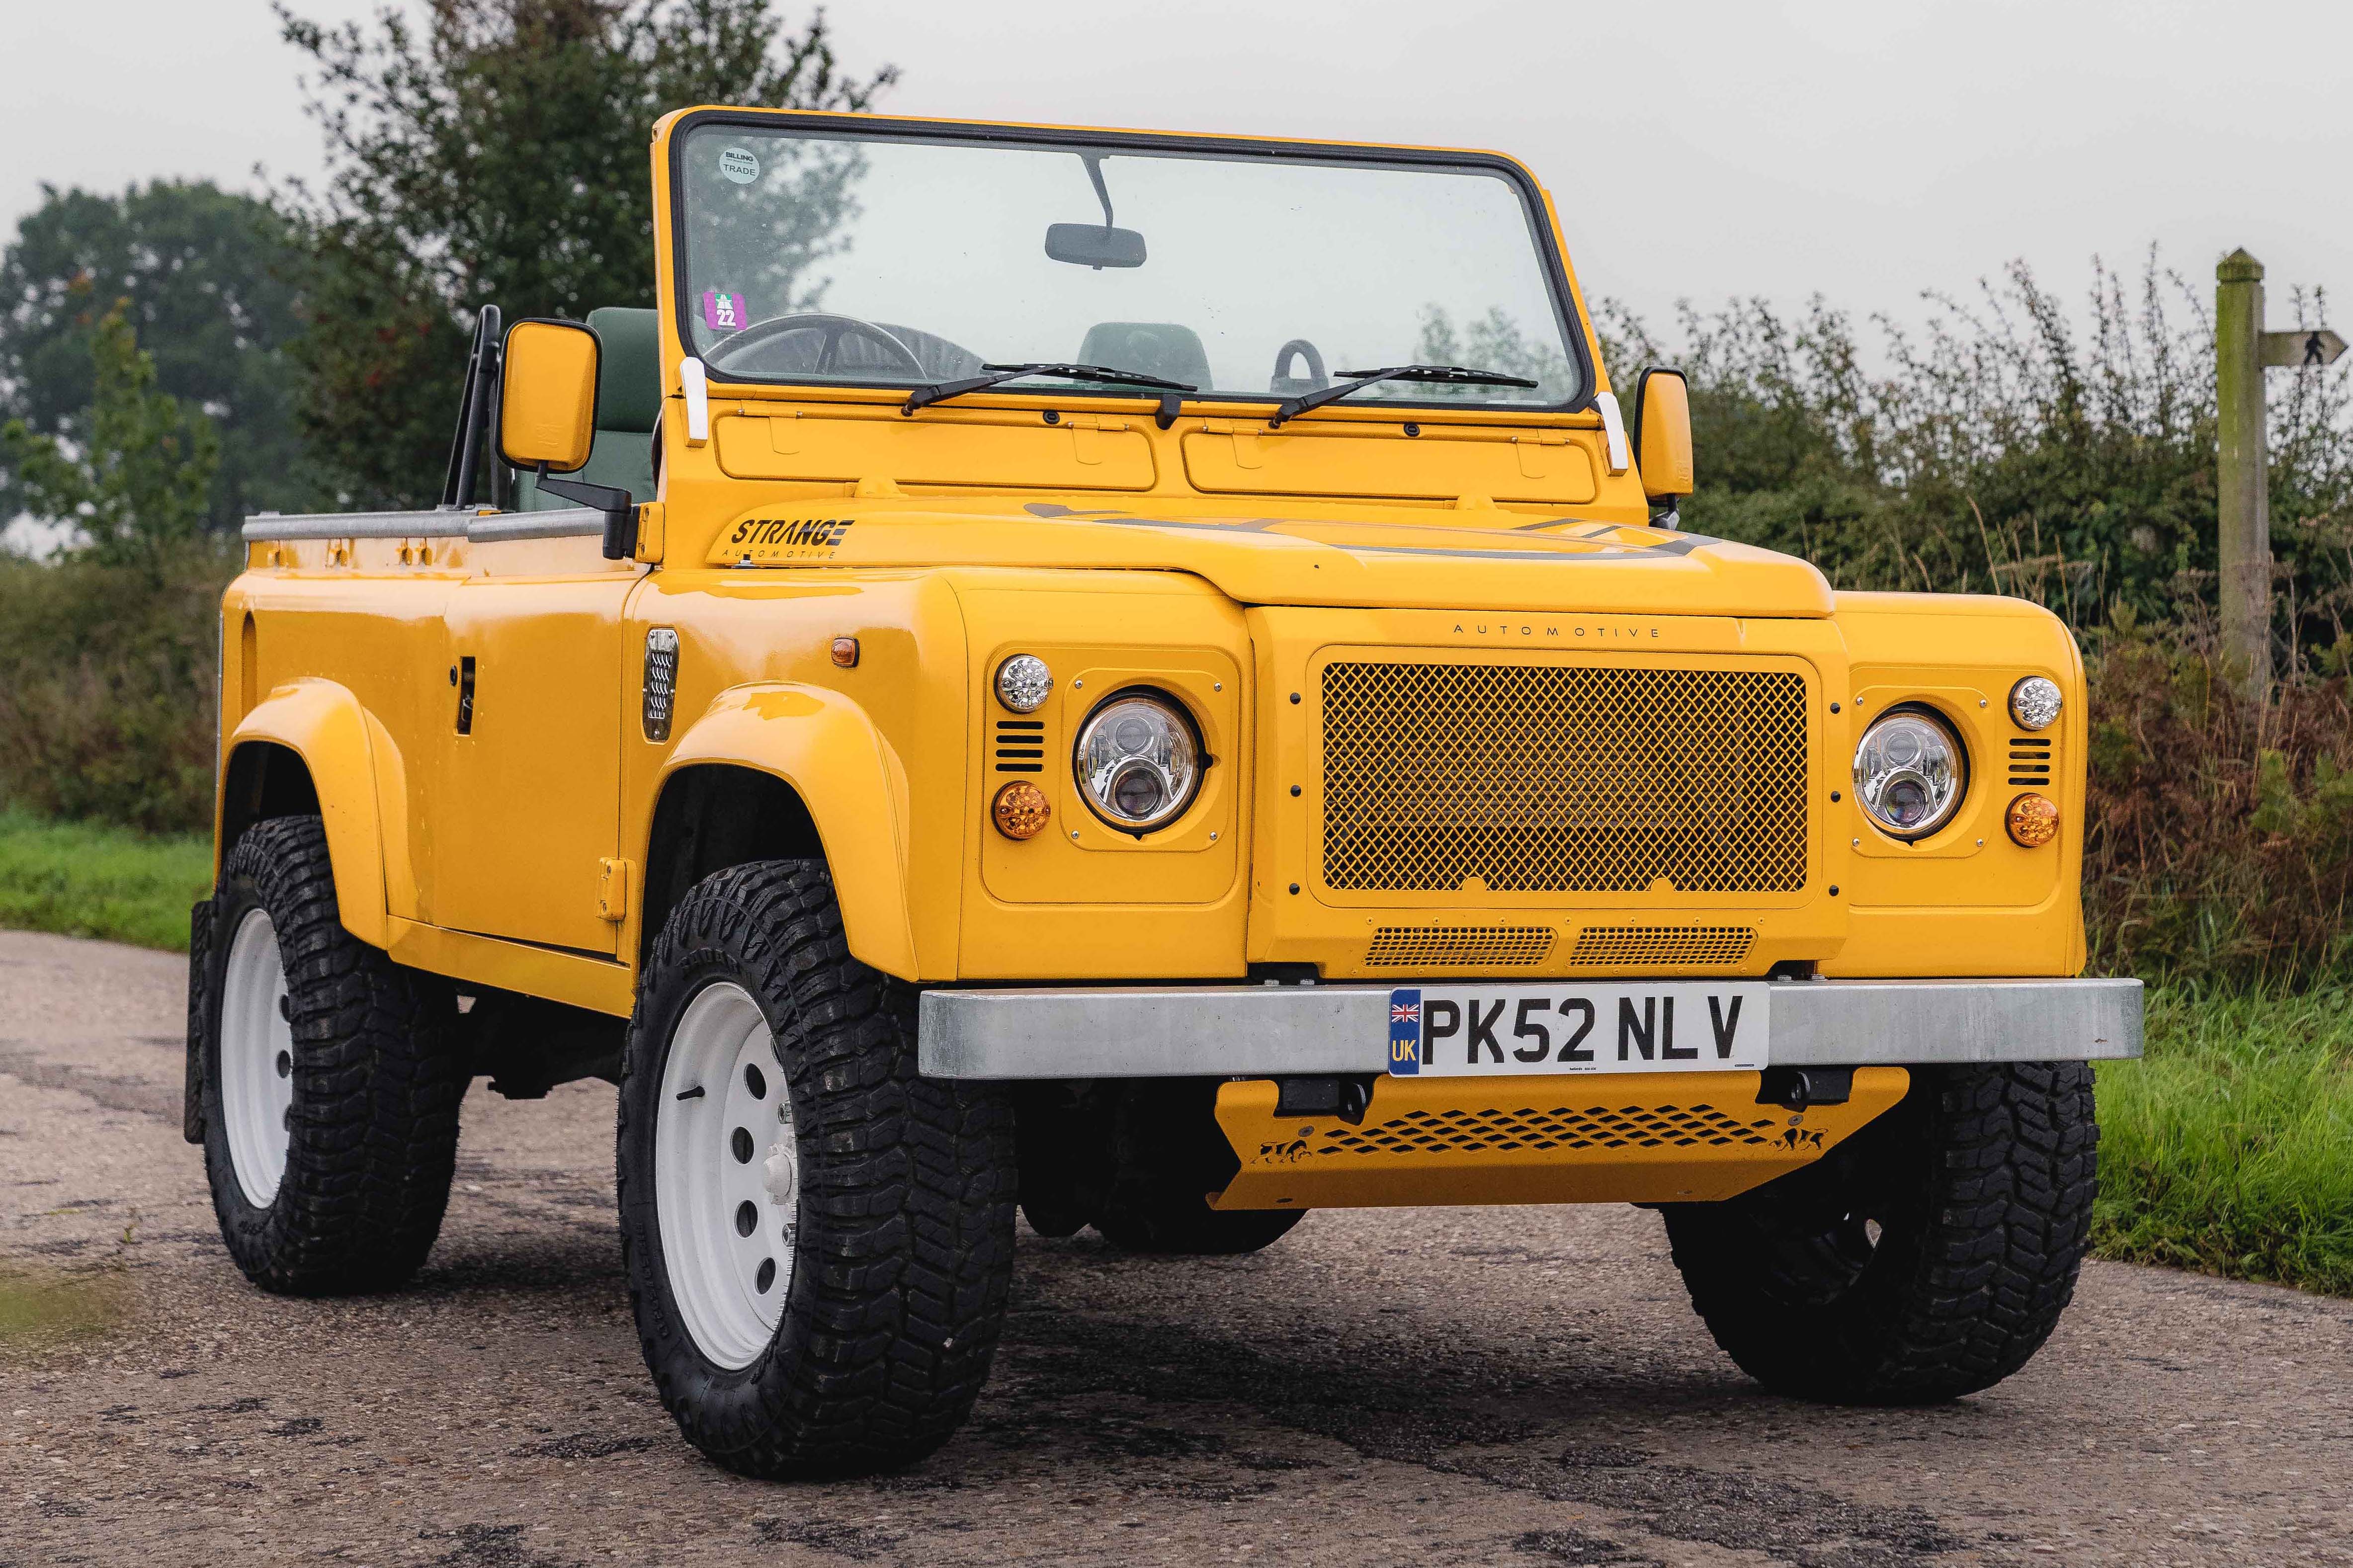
pixel 1558 779
pixel 1584 1127
pixel 1458 947
pixel 2029 761
pixel 1641 946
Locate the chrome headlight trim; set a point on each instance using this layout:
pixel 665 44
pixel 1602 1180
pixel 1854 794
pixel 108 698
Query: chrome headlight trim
pixel 1137 759
pixel 1911 771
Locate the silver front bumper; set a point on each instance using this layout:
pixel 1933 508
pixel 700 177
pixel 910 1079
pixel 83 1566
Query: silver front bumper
pixel 1255 1031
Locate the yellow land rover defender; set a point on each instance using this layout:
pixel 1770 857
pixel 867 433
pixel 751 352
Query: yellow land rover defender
pixel 1149 681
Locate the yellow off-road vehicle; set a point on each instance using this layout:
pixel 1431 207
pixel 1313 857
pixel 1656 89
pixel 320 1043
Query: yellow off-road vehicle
pixel 1151 679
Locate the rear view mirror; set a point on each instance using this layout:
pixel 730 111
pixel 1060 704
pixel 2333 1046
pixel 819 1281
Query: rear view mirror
pixel 547 396
pixel 1663 433
pixel 1094 245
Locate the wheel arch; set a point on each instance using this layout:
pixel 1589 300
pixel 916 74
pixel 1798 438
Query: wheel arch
pixel 311 747
pixel 784 772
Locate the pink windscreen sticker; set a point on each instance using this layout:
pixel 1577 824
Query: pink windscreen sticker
pixel 721 311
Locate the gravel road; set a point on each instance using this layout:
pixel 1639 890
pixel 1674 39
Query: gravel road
pixel 1426 1387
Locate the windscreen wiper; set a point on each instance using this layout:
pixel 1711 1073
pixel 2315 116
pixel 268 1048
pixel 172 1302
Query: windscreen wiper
pixel 1358 380
pixel 939 391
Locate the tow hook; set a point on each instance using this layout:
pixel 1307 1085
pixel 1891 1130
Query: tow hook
pixel 1346 1098
pixel 1794 1089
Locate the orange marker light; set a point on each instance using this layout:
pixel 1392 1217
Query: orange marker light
pixel 845 652
pixel 1021 810
pixel 2032 821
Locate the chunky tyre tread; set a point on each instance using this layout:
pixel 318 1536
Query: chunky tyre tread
pixel 378 1082
pixel 905 1244
pixel 1996 1168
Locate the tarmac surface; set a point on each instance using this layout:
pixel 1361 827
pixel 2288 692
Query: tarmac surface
pixel 1427 1387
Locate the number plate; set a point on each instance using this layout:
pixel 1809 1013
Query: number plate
pixel 1501 1031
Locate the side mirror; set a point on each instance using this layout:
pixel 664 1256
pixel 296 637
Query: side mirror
pixel 1094 245
pixel 1663 433
pixel 547 395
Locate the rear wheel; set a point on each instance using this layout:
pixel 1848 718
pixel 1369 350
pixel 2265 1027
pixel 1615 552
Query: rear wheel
pixel 332 1079
pixel 818 1239
pixel 1927 1256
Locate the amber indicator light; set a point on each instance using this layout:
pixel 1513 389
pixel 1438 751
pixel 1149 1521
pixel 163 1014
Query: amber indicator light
pixel 2032 821
pixel 1021 810
pixel 845 652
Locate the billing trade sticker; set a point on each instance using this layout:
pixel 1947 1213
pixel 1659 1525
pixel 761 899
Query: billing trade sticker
pixel 721 312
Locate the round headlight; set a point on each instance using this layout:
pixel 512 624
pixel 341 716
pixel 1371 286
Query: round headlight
pixel 1908 773
pixel 2034 702
pixel 1137 762
pixel 1023 682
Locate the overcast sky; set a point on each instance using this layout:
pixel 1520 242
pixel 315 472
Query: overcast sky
pixel 1865 150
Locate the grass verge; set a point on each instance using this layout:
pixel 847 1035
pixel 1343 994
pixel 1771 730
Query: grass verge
pixel 2228 1148
pixel 84 880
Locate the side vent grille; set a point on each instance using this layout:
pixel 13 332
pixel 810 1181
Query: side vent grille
pixel 1020 745
pixel 662 681
pixel 2029 761
pixel 1458 947
pixel 1641 946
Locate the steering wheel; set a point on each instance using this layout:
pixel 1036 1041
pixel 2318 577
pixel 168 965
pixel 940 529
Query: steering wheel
pixel 739 352
pixel 1290 385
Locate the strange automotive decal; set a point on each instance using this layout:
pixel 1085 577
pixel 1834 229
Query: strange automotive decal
pixel 762 538
pixel 1563 539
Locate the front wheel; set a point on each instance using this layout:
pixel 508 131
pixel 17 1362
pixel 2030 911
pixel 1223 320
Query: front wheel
pixel 818 1239
pixel 1927 1256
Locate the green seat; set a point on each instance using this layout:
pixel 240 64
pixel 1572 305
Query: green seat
pixel 1163 348
pixel 629 397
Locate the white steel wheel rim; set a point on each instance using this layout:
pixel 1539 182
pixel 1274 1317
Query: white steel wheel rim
pixel 257 1059
pixel 726 1176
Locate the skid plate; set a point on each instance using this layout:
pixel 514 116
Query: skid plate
pixel 1651 1138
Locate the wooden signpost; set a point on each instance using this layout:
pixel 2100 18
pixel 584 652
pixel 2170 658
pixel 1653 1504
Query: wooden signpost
pixel 2243 351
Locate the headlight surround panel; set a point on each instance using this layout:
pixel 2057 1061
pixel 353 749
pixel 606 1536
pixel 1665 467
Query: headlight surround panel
pixel 1911 773
pixel 1138 760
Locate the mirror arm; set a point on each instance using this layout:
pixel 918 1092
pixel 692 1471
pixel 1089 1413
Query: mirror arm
pixel 620 511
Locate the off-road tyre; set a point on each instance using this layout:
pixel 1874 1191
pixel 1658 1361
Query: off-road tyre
pixel 903 1252
pixel 377 1079
pixel 1980 1183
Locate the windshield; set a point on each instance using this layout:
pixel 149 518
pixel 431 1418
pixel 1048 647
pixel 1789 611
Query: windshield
pixel 816 256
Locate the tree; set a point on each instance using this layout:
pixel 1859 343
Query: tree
pixel 141 481
pixel 206 276
pixel 497 154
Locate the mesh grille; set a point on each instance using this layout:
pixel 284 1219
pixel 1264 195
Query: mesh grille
pixel 1461 947
pixel 1504 1132
pixel 1662 944
pixel 1551 778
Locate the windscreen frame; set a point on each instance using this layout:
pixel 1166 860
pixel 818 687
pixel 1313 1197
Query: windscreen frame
pixel 1554 265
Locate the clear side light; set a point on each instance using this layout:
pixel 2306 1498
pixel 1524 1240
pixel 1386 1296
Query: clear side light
pixel 1023 683
pixel 2034 702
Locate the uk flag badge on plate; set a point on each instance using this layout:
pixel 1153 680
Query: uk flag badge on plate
pixel 1405 1032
